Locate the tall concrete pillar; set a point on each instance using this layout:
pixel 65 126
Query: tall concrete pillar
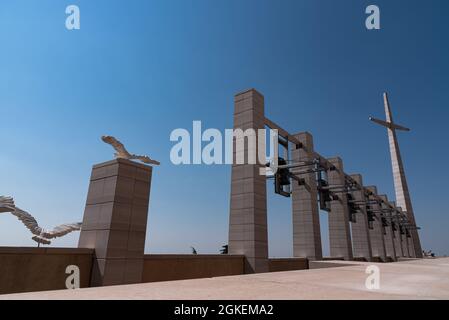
pixel 408 242
pixel 397 235
pixel 398 242
pixel 115 221
pixel 248 208
pixel 376 233
pixel 305 213
pixel 339 230
pixel 388 237
pixel 361 242
pixel 411 247
pixel 404 243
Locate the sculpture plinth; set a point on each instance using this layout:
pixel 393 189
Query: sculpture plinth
pixel 115 221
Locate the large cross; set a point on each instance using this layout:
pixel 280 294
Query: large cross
pixel 400 182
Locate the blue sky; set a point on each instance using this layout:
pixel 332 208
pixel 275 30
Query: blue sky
pixel 139 69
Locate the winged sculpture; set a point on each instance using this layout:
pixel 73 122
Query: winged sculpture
pixel 122 153
pixel 40 235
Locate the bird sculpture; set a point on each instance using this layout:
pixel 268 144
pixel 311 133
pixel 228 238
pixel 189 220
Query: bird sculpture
pixel 6 204
pixel 40 235
pixel 122 153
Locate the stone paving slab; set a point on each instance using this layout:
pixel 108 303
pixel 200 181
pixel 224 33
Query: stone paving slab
pixel 411 279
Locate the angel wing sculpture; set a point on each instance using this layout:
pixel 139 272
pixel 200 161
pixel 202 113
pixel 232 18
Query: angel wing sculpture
pixel 40 235
pixel 122 153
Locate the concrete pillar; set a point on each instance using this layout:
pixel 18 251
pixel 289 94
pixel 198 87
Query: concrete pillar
pixel 376 233
pixel 397 235
pixel 408 243
pixel 115 221
pixel 361 242
pixel 411 247
pixel 404 243
pixel 305 213
pixel 248 208
pixel 398 242
pixel 388 236
pixel 339 230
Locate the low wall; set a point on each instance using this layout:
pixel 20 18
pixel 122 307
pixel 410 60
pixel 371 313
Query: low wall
pixel 331 264
pixel 288 264
pixel 165 267
pixel 40 269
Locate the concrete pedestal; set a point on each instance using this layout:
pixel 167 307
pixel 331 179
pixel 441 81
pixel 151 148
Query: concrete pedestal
pixel 339 230
pixel 115 221
pixel 248 213
pixel 305 213
pixel 361 242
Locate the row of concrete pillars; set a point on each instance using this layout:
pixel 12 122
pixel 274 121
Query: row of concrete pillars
pixel 357 238
pixel 115 218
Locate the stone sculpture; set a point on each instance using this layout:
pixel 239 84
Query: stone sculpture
pixel 122 153
pixel 40 235
pixel 6 204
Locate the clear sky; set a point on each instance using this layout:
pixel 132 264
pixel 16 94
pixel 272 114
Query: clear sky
pixel 139 69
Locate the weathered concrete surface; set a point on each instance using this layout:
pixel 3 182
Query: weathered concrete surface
pixel 413 279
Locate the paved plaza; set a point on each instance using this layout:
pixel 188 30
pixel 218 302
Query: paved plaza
pixel 411 279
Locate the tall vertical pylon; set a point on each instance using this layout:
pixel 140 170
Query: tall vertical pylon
pixel 400 182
